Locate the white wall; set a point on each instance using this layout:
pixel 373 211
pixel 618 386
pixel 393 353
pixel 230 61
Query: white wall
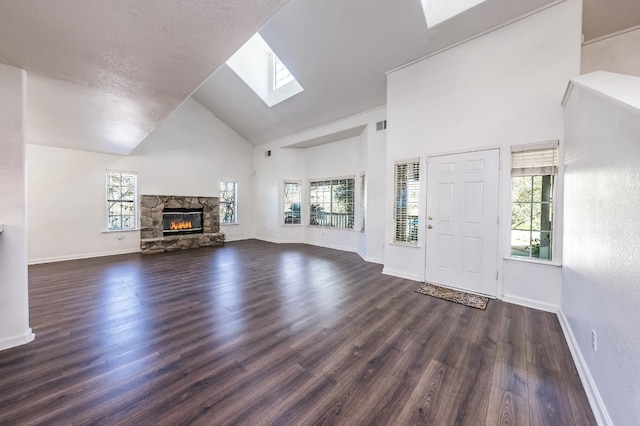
pixel 601 270
pixel 187 154
pixel 500 89
pixel 14 301
pixel 344 157
pixel 618 53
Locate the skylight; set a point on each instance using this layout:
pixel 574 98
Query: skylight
pixel 261 69
pixel 437 11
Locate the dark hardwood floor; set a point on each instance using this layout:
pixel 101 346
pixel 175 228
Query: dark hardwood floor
pixel 259 333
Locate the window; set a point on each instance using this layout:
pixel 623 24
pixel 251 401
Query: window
pixel 331 203
pixel 228 202
pixel 292 200
pixel 407 198
pixel 121 201
pixel 363 201
pixel 533 174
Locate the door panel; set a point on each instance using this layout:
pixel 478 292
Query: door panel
pixel 462 219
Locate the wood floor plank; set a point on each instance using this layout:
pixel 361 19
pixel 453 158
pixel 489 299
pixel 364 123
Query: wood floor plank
pixel 282 334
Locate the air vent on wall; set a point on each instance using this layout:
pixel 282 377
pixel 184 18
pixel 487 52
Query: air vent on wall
pixel 381 125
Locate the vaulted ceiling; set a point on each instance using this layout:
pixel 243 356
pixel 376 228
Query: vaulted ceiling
pixel 102 75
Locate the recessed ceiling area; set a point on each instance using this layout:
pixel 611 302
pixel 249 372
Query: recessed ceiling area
pixel 604 17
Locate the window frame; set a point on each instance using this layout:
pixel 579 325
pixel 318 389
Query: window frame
pixel 133 202
pixel 235 201
pixel 282 205
pixel 407 240
pixel 362 199
pixel 350 217
pixel 555 173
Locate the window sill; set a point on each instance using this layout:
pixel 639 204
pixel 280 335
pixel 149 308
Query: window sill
pixel 400 244
pixel 109 231
pixel 553 264
pixel 230 224
pixel 292 225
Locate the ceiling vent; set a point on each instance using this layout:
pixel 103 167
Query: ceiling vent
pixel 381 125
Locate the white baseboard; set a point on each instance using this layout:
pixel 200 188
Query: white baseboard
pixel 80 256
pixel 276 241
pixel 332 246
pixel 241 238
pixel 402 274
pixel 529 303
pixel 14 341
pixel 595 400
pixel 370 259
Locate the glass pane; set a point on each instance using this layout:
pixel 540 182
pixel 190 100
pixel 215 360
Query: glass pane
pixel 521 189
pixel 115 179
pixel 115 208
pixel 545 245
pixel 520 243
pixel 128 180
pixel 128 209
pixel 128 222
pixel 114 193
pixel 535 244
pixel 128 193
pixel 114 222
pixel 535 213
pixel 521 216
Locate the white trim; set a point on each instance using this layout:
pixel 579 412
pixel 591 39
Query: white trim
pixel 595 400
pixel 237 238
pixel 402 274
pixel 331 246
pixel 529 303
pixel 370 259
pixel 19 340
pixel 617 33
pixel 80 256
pixel 276 241
pixel 533 260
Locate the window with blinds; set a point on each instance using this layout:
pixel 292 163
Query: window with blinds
pixel 406 202
pixel 121 200
pixel 292 200
pixel 331 203
pixel 533 172
pixel 363 201
pixel 228 202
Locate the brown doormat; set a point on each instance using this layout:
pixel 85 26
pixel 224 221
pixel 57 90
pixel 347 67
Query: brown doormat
pixel 461 297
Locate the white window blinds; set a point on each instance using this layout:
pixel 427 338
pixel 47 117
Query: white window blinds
pixel 535 162
pixel 407 199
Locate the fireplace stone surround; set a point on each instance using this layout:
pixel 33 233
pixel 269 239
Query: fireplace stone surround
pixel 152 239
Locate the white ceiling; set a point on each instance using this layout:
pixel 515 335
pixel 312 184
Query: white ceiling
pixel 103 74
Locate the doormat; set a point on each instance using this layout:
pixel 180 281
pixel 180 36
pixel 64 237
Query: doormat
pixel 456 296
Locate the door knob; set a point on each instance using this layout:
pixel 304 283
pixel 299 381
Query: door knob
pixel 429 226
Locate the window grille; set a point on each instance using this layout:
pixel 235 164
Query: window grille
pixel 228 202
pixel 121 200
pixel 533 174
pixel 292 201
pixel 407 199
pixel 331 203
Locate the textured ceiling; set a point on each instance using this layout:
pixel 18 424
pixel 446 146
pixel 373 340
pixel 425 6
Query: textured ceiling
pixel 103 74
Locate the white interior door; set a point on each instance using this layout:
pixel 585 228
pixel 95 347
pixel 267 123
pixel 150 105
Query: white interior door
pixel 462 220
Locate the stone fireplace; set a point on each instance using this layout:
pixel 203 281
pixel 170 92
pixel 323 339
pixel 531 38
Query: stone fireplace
pixel 169 222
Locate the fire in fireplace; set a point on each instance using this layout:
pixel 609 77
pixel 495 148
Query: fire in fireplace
pixel 181 221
